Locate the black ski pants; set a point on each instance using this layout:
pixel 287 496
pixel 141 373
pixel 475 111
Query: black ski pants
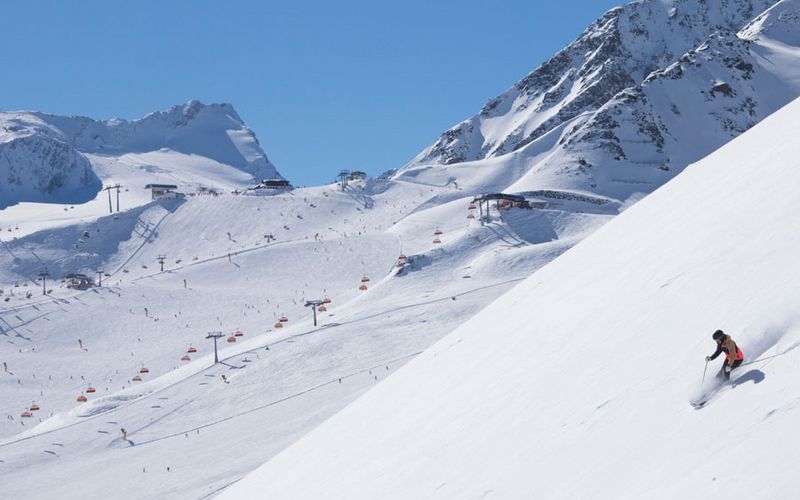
pixel 727 376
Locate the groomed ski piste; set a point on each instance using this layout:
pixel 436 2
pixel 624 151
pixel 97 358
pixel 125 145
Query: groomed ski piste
pixel 236 263
pixel 577 383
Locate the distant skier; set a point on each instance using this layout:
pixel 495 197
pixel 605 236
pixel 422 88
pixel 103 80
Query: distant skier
pixel 733 355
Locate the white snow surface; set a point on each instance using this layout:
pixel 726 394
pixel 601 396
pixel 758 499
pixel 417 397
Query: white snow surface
pixel 236 263
pixel 576 383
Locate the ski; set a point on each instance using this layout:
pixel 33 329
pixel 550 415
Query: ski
pixel 703 401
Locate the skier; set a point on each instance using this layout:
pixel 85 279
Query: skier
pixel 733 355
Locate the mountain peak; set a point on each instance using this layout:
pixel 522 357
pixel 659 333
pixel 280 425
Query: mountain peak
pixel 615 52
pixel 182 114
pixel 779 23
pixel 214 131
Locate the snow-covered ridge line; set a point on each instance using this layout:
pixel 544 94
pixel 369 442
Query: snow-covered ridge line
pixel 59 145
pixel 648 89
pixel 616 52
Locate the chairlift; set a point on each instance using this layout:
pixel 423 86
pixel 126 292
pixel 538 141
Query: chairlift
pixel 322 309
pixel 90 390
pixel 362 287
pixel 144 370
pixel 437 241
pixel 472 206
pixel 283 319
pixel 238 334
pixel 26 414
pixel 365 280
pixel 82 399
pixel 137 378
pixel 231 340
pixel 278 325
pixel 470 216
pixel 438 232
pixel 34 407
pixel 326 301
pixel 185 357
pixel 191 350
pixel 402 257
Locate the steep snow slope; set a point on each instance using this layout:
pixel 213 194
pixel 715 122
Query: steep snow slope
pixel 50 164
pixel 576 384
pixel 646 90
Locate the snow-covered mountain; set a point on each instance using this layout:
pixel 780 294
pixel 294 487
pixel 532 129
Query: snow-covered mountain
pixel 37 164
pixel 405 260
pixel 577 383
pixel 647 89
pixel 58 159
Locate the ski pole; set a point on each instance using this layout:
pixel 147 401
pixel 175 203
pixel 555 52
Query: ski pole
pixel 704 375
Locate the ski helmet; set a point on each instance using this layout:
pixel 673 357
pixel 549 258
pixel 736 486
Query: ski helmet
pixel 718 335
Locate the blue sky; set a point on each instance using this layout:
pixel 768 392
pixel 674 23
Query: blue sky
pixel 325 85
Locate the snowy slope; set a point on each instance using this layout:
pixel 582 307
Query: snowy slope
pixel 576 384
pixel 647 89
pixel 51 164
pixel 222 274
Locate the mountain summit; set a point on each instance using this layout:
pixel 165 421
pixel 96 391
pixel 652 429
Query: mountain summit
pixel 46 155
pixel 647 89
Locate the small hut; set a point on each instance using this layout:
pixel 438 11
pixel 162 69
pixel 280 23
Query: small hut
pixel 273 184
pixel 357 175
pixel 162 191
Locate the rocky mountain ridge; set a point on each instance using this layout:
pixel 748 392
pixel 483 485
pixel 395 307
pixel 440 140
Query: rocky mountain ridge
pixel 616 52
